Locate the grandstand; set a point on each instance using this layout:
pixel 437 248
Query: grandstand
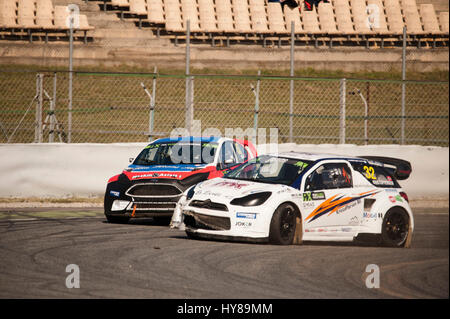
pixel 107 26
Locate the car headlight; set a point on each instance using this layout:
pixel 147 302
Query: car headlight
pixel 252 199
pixel 119 205
pixel 190 192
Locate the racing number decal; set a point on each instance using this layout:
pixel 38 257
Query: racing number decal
pixel 370 172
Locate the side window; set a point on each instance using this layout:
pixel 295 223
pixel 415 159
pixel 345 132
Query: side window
pixel 329 176
pixel 241 152
pixel 227 156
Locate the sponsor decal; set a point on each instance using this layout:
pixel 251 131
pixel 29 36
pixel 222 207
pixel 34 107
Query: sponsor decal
pixel 243 224
pixel 246 215
pixel 334 203
pixel 372 215
pixel 284 190
pixel 309 204
pixel 378 182
pixel 354 221
pixel 114 193
pixel 399 198
pixel 392 199
pixel 231 184
pixel 346 229
pixel 313 196
pixel 347 207
pixel 153 175
pixel 301 166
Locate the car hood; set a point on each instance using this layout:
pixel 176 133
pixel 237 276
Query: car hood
pixel 224 189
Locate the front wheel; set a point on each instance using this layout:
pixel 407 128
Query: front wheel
pixel 283 225
pixel 395 228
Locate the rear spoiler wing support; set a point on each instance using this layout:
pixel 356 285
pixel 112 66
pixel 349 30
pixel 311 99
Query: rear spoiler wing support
pixel 401 169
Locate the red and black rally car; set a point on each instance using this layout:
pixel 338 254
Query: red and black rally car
pixel 152 185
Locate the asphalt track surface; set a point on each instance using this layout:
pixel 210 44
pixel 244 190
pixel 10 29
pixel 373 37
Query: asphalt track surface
pixel 146 260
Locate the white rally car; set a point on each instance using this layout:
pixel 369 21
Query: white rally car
pixel 291 197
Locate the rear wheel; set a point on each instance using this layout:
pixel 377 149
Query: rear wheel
pixel 395 228
pixel 283 225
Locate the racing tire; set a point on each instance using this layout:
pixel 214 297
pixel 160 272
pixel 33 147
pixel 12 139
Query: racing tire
pixel 283 225
pixel 117 219
pixel 395 229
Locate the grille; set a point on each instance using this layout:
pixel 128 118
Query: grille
pixel 209 205
pixel 153 190
pixel 154 206
pixel 200 221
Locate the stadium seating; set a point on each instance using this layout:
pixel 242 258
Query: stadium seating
pixel 258 16
pixel 443 22
pixel 224 16
pixel 343 17
pixel 155 11
pixel 346 21
pixel 412 18
pixel 429 19
pixel 275 18
pixel 207 16
pixel 38 19
pixel 394 16
pixel 293 15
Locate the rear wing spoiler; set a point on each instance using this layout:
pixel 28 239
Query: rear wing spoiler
pixel 401 169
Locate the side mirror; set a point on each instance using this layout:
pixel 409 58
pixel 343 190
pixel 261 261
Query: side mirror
pixel 131 159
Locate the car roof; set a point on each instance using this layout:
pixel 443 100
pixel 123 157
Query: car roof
pixel 315 156
pixel 194 139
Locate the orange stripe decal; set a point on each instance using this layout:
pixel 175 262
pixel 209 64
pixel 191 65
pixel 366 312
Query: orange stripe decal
pixel 134 211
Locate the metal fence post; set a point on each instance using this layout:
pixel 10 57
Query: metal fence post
pixel 402 136
pixel 255 115
pixel 291 88
pixel 40 100
pixel 69 116
pixel 36 125
pixel 52 112
pixel 188 98
pixel 152 106
pixel 342 112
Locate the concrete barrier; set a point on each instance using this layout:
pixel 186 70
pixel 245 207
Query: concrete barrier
pixel 82 170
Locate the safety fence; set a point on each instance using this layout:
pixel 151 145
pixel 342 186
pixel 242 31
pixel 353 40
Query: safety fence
pixel 137 107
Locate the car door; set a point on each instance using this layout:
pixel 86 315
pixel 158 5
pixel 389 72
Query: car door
pixel 331 206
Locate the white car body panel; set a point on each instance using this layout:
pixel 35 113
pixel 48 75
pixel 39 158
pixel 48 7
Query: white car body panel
pixel 335 215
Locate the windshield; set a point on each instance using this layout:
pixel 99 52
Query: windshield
pixel 270 169
pixel 177 153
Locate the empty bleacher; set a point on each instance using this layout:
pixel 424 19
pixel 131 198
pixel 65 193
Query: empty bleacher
pixel 348 22
pixel 370 23
pixel 40 20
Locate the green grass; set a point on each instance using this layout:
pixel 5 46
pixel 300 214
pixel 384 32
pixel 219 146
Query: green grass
pixel 436 75
pixel 114 108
